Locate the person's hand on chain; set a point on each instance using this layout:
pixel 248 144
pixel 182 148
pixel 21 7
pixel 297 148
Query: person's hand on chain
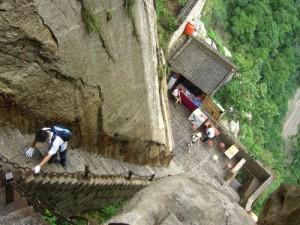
pixel 37 169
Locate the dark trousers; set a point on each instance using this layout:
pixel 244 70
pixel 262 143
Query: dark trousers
pixel 205 139
pixel 62 156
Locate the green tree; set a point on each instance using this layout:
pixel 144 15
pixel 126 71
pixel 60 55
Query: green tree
pixel 264 40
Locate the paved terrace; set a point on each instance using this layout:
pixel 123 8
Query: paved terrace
pixel 199 161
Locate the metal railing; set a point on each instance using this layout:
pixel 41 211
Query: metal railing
pixel 20 173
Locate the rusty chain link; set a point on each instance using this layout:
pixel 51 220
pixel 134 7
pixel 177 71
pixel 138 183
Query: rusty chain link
pixel 22 172
pixel 41 206
pixel 127 175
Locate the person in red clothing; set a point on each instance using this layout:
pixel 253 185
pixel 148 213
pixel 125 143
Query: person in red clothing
pixel 176 92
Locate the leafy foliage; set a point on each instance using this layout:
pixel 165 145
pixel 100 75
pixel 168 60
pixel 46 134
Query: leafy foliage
pixel 263 36
pixel 92 23
pixel 128 6
pixel 166 11
pixel 214 36
pixel 91 20
pixel 105 213
pixel 52 219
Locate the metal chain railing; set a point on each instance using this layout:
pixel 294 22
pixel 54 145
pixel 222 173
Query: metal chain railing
pixel 39 206
pixel 20 173
pixel 128 175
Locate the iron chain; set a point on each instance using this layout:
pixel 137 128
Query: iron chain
pixel 23 172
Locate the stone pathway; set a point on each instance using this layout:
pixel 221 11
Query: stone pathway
pixel 291 123
pixel 18 212
pixel 198 162
pixel 13 145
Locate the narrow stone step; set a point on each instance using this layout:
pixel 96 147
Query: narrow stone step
pixel 29 179
pixel 53 167
pixel 112 165
pixel 46 180
pixel 58 180
pixel 139 170
pixel 102 168
pixel 76 158
pixel 85 159
pixel 142 170
pixel 123 166
pixel 175 169
pixel 75 162
pixel 149 169
pixel 100 164
pixel 11 207
pixel 34 181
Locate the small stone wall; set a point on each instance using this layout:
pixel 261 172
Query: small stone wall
pixel 193 9
pixel 253 167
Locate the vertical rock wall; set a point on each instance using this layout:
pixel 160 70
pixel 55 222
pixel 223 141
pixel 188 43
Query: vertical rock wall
pixel 103 84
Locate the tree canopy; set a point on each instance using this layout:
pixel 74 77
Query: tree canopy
pixel 263 36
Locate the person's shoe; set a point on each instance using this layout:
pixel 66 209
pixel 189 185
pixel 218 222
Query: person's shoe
pixel 63 164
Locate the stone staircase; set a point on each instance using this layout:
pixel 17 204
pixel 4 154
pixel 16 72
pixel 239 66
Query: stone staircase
pixel 77 189
pixel 108 180
pixel 186 10
pixel 18 212
pixel 13 145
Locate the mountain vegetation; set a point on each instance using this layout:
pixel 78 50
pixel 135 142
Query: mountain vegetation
pixel 263 36
pixel 167 12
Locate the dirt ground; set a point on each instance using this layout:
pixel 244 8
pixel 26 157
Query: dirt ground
pixel 292 121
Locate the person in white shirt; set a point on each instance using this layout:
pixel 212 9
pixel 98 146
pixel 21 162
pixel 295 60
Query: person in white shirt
pixel 56 144
pixel 210 133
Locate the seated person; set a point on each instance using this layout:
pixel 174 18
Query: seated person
pixel 176 92
pixel 210 132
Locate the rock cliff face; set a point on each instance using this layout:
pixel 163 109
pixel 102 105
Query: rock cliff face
pixel 102 84
pixel 181 200
pixel 282 207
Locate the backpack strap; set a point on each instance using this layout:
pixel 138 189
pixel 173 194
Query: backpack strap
pixel 52 139
pixel 53 136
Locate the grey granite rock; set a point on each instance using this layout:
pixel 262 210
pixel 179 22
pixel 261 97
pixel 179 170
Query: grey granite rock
pixel 181 200
pixel 105 85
